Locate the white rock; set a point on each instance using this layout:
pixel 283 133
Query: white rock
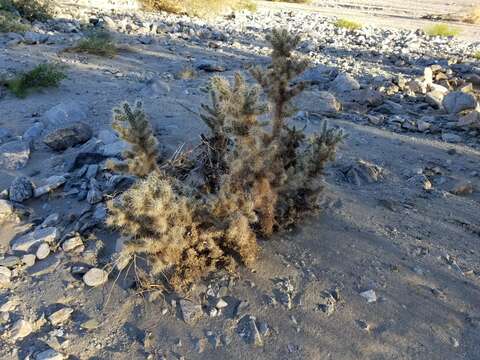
pixel 60 316
pixel 43 251
pixel 23 243
pixel 95 277
pixel 6 210
pixel 221 304
pixel 10 305
pixel 72 243
pixel 5 275
pixel 14 155
pixel 344 83
pixel 29 260
pixel 369 295
pixel 22 328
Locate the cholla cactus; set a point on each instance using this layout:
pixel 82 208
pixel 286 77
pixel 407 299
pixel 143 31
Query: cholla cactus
pixel 259 178
pixel 133 126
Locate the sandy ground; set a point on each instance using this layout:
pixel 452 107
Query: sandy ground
pixel 382 13
pixel 389 236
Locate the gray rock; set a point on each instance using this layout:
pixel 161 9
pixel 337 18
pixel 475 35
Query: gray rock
pixel 115 149
pixel 49 354
pixel 10 261
pixel 458 101
pixel 95 277
pixel 44 267
pixel 107 136
pixel 33 132
pixel 65 113
pixel 344 83
pixel 72 135
pixel 319 102
pixel 33 38
pixel 38 236
pixel 451 138
pixel 319 74
pixel 52 183
pixel 190 311
pixel 435 99
pixel 21 189
pixel 369 295
pixel 5 134
pixel 14 155
pixel 51 220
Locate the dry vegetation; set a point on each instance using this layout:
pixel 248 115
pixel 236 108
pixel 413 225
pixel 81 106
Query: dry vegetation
pixel 204 210
pixel 200 8
pixel 473 17
pixel 96 43
pixel 348 24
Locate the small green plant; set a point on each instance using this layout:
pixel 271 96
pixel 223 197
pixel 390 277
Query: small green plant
pixel 32 10
pixel 9 22
pixel 42 76
pixel 96 43
pixel 348 24
pixel 442 30
pixel 477 55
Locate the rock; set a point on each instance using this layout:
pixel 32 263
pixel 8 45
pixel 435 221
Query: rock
pixel 21 189
pixel 319 102
pixel 60 316
pixel 458 101
pixel 28 260
pixel 72 243
pixel 65 113
pixel 25 242
pixel 7 211
pixel 423 125
pixel 221 304
pixel 51 220
pixel 5 276
pixel 44 267
pixel 94 195
pixel 363 172
pixel 471 120
pixel 49 354
pixel 115 149
pixel 32 38
pixel 344 83
pixel 369 295
pixel 10 305
pixel 33 132
pixel 190 311
pixel 209 66
pixel 319 74
pixel 420 180
pixel 90 324
pixel 52 183
pixel 462 188
pixel 10 261
pixel 22 328
pixel 434 98
pixel 95 277
pixel 43 251
pixel 451 138
pixel 5 134
pixel 69 136
pixel 199 345
pixel 428 75
pixel 107 136
pixel 14 155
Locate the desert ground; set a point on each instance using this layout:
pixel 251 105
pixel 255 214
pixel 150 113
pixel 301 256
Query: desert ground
pixel 390 269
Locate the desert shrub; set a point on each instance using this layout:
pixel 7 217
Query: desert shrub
pixel 477 55
pixel 204 211
pixel 348 24
pixel 42 76
pixel 473 17
pixel 200 8
pixel 294 1
pixel 442 30
pixel 10 22
pixel 96 43
pixel 30 10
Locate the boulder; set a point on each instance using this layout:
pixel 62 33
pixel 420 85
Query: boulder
pixel 65 113
pixel 69 136
pixel 14 155
pixel 320 102
pixel 458 101
pixel 21 189
pixel 344 83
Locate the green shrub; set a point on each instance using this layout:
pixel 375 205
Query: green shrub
pixel 42 76
pixel 9 22
pixel 202 8
pixel 442 30
pixel 30 10
pixel 96 43
pixel 348 24
pixel 477 55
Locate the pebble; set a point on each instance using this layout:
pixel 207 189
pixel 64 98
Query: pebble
pixel 369 295
pixel 49 354
pixel 72 243
pixel 60 316
pixel 95 277
pixel 43 251
pixel 21 328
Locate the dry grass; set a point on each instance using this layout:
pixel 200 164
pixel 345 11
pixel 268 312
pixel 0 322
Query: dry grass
pixel 442 30
pixel 11 23
pixel 477 55
pixel 98 43
pixel 473 16
pixel 348 24
pixel 201 8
